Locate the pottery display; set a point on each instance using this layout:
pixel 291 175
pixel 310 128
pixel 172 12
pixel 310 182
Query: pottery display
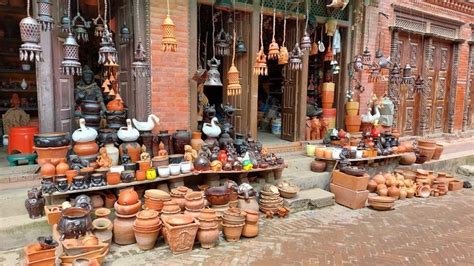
pixel 148 218
pixel 127 176
pixel 113 178
pixel 78 183
pixel 127 209
pixel 232 233
pixel 54 139
pixel 180 139
pixel 177 194
pixel 218 195
pixel 427 151
pixel 202 163
pixel 86 149
pixel 175 169
pixel 196 141
pixel 47 185
pixel 74 222
pixel 438 151
pixel 123 229
pixel 208 236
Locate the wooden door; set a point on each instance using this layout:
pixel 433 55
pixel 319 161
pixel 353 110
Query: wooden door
pixel 63 85
pixel 410 52
pixel 289 119
pixel 470 102
pixel 439 87
pixel 127 90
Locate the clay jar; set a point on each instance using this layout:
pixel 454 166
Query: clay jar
pixel 148 218
pixel 62 167
pixel 48 169
pixel 196 141
pixel 208 236
pixel 394 192
pixel 74 222
pixel 318 166
pixel 86 148
pixel 194 200
pixel 408 158
pixel 251 224
pixel 128 196
pixel 180 138
pixel 123 229
pixel 133 149
pixel 113 178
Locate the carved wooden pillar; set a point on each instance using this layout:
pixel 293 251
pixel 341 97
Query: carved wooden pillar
pixel 393 88
pixel 427 70
pixel 467 95
pixel 453 85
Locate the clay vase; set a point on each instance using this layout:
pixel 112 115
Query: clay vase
pixel 196 141
pixel 128 196
pixel 140 175
pixel 208 237
pixel 146 239
pixel 48 169
pixel 248 204
pixel 62 167
pixel 232 233
pixel 103 229
pixel 394 192
pixel 318 166
pixel 110 200
pixel 133 149
pixel 180 138
pixel 123 229
pixel 86 148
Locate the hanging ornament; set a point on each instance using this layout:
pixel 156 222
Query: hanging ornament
pixel 283 57
pixel 30 50
pixel 321 47
pixel 168 43
pixel 366 56
pixel 374 75
pixel 140 66
pixel 329 56
pixel 98 22
pixel 331 26
pixel 395 75
pixel 407 77
pixel 107 53
pixel 44 15
pixel 70 64
pixel 273 49
pixel 240 46
pixel 213 75
pixel 80 26
pixel 314 46
pixel 223 43
pixel 260 67
pixel 296 61
pixel 419 84
pixel 125 34
pixel 358 64
pixel 65 22
pixel 306 39
pixel 233 76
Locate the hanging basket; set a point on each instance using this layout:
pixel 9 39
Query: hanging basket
pixel 169 43
pixel 260 68
pixel 234 87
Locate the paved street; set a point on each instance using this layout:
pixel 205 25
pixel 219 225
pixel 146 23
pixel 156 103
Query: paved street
pixel 419 231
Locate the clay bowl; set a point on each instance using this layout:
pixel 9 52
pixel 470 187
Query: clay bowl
pixel 218 195
pixel 157 194
pixel 127 209
pixel 381 199
pixel 54 139
pixel 381 206
pixel 288 194
pixel 179 219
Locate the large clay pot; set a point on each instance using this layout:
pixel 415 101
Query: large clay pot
pixel 74 222
pixel 54 139
pixel 53 154
pixel 194 201
pixel 133 149
pixel 353 123
pixel 328 94
pixel 128 196
pixel 250 229
pixel 123 229
pixel 208 236
pixel 232 233
pixel 438 152
pixel 318 166
pixel 352 108
pixel 62 167
pixel 146 239
pixel 180 138
pixel 248 204
pixel 196 141
pixel 407 158
pixel 86 148
pixel 48 169
pixel 330 115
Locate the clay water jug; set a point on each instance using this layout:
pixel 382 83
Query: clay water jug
pixel 196 141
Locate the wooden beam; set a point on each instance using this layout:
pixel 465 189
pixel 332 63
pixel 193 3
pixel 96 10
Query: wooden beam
pixel 193 36
pixel 253 49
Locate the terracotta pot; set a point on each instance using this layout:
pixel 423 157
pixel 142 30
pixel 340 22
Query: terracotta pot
pixel 319 152
pixel 146 239
pixel 140 175
pixel 115 105
pixel 208 237
pixel 48 169
pixel 103 229
pixel 232 233
pixel 394 192
pixel 318 166
pixel 372 185
pixel 423 191
pixel 86 148
pixel 144 165
pixel 128 196
pixel 420 159
pixel 352 108
pixel 328 94
pixel 353 123
pixel 196 141
pixel 193 212
pixel 328 153
pixel 250 229
pixel 407 158
pixel 113 178
pixel 133 149
pixel 123 229
pixel 248 204
pixel 110 200
pixel 102 213
pixel 148 218
pixel 194 200
pixel 97 201
pixel 70 174
pixel 127 209
pixel 438 152
pixel 180 138
pixel 62 167
pixel 180 238
pixel 218 195
pixel 330 115
pixel 75 222
pixel 427 143
pixel 427 151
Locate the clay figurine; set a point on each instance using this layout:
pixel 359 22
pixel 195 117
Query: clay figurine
pixel 228 113
pixel 125 158
pixel 62 184
pixel 47 185
pixel 144 155
pixel 97 180
pixel 35 203
pixel 75 163
pixel 214 154
pixel 87 89
pixel 324 127
pixel 162 151
pixel 189 153
pixel 205 150
pixel 216 166
pixel 78 183
pixel 103 160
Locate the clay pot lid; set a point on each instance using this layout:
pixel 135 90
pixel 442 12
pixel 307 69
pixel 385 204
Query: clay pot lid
pixel 157 194
pixel 251 212
pixel 180 219
pixel 195 195
pixel 147 214
pixel 422 172
pixel 383 199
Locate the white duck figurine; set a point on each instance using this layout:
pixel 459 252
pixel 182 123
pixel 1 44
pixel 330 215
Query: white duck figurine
pixel 211 129
pixel 148 125
pixel 367 118
pixel 83 133
pixel 128 133
pixel 376 116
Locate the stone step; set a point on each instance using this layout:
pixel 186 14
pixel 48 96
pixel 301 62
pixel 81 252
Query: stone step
pixel 309 199
pixel 12 202
pixel 466 170
pixel 308 180
pixel 297 162
pixel 17 231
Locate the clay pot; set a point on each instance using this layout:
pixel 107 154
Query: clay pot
pixel 140 175
pixel 353 123
pixel 319 152
pixel 194 201
pixel 383 192
pixel 110 200
pixel 328 94
pixel 394 192
pixel 318 166
pixel 421 159
pixel 133 149
pixel 48 169
pixel 328 153
pixel 194 213
pixel 54 139
pixel 53 154
pixel 352 108
pixel 74 222
pixel 208 237
pixel 115 105
pixel 113 178
pixel 127 209
pixel 128 196
pixel 372 185
pixel 408 158
pixel 123 229
pixel 403 193
pixel 330 115
pixel 70 174
pixel 438 152
pixel 86 148
pixel 427 151
pixel 196 141
pixel 62 167
pixel 379 178
pixel 218 195
pixel 423 191
pixel 148 218
pixel 171 206
pixel 146 239
pixel 103 229
pixel 102 213
pixel 97 201
pixel 426 143
pixel 250 229
pixel 144 165
pixel 232 233
pixel 180 138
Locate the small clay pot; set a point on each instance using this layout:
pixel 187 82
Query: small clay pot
pixel 140 175
pixel 318 166
pixel 208 236
pixel 194 201
pixel 110 200
pixel 408 158
pixel 232 233
pixel 127 209
pixel 48 169
pixel 128 196
pixel 102 213
pixel 113 178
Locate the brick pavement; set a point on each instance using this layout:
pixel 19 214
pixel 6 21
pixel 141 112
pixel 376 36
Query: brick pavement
pixel 418 232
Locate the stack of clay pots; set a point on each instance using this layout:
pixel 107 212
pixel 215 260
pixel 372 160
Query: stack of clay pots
pixel 154 199
pixel 270 199
pixel 233 222
pixel 395 186
pixel 352 119
pixel 177 194
pixel 208 232
pixel 251 224
pixel 427 148
pixel 170 208
pixel 381 203
pixel 194 202
pixel 147 228
pixel 180 232
pixel 126 208
pixel 85 145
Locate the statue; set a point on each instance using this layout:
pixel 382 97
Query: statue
pixel 315 129
pixel 76 163
pixel 35 203
pixel 324 127
pixel 15 116
pixel 87 89
pixel 103 160
pixel 228 114
pixel 189 153
pixel 144 155
pixel 162 152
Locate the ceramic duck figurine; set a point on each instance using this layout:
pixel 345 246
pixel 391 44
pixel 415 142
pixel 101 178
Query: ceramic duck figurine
pixel 84 134
pixel 128 133
pixel 376 116
pixel 367 118
pixel 148 125
pixel 211 129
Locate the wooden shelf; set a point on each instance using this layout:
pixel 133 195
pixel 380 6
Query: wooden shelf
pixel 19 91
pixel 17 70
pixel 23 108
pixel 364 159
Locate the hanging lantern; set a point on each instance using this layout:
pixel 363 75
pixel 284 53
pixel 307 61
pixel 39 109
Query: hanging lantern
pixel 44 15
pixel 140 66
pixel 213 75
pixel 240 46
pixel 374 73
pixel 223 43
pixel 80 26
pixel 296 62
pixel 358 65
pixel 168 43
pixel 419 84
pixel 98 22
pixel 395 75
pixel 225 5
pixel 273 49
pixel 366 56
pixel 30 50
pixel 71 65
pixel 125 34
pixel 107 51
pixel 234 87
pixel 305 42
pixel 407 77
pixel 260 67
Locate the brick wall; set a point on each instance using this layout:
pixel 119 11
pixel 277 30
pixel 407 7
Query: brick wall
pixel 376 24
pixel 169 81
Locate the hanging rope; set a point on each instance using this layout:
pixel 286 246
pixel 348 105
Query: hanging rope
pixel 138 21
pixel 28 8
pixel 105 13
pixel 213 32
pixel 261 25
pixel 168 6
pixel 307 17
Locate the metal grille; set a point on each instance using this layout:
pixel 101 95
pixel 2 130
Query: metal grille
pixel 291 6
pixel 408 24
pixel 319 9
pixel 250 2
pixel 443 31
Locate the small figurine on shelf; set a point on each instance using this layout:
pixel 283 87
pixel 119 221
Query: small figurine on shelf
pixel 222 156
pixel 97 180
pixel 76 163
pixel 78 183
pixel 125 158
pixel 205 150
pixel 161 150
pixel 144 155
pixel 315 128
pixel 324 127
pixel 34 204
pixel 189 153
pixel 103 160
pixel 216 166
pixel 214 154
pixel 62 184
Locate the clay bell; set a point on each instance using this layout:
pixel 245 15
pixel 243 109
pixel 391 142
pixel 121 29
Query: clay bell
pixel 305 42
pixel 260 66
pixel 223 43
pixel 30 50
pixel 296 63
pixel 169 43
pixel 233 88
pixel 283 57
pixel 273 50
pixel 240 46
pixel 213 75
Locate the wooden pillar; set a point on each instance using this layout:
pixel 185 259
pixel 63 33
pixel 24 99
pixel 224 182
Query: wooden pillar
pixel 302 95
pixel 467 95
pixel 424 114
pixel 453 87
pixel 193 6
pixel 393 88
pixel 253 49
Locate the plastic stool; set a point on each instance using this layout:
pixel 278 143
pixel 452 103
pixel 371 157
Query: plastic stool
pixel 13 159
pixel 21 139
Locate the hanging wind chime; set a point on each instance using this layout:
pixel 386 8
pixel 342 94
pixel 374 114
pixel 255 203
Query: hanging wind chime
pixel 98 22
pixel 306 39
pixel 283 57
pixel 64 23
pixel 107 52
pixel 70 64
pixel 273 49
pixel 233 88
pixel 213 75
pixel 395 75
pixel 419 84
pixel 30 50
pixel 168 43
pixel 81 25
pixel 140 66
pixel 240 46
pixel 44 15
pixel 223 41
pixel 296 62
pixel 260 67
